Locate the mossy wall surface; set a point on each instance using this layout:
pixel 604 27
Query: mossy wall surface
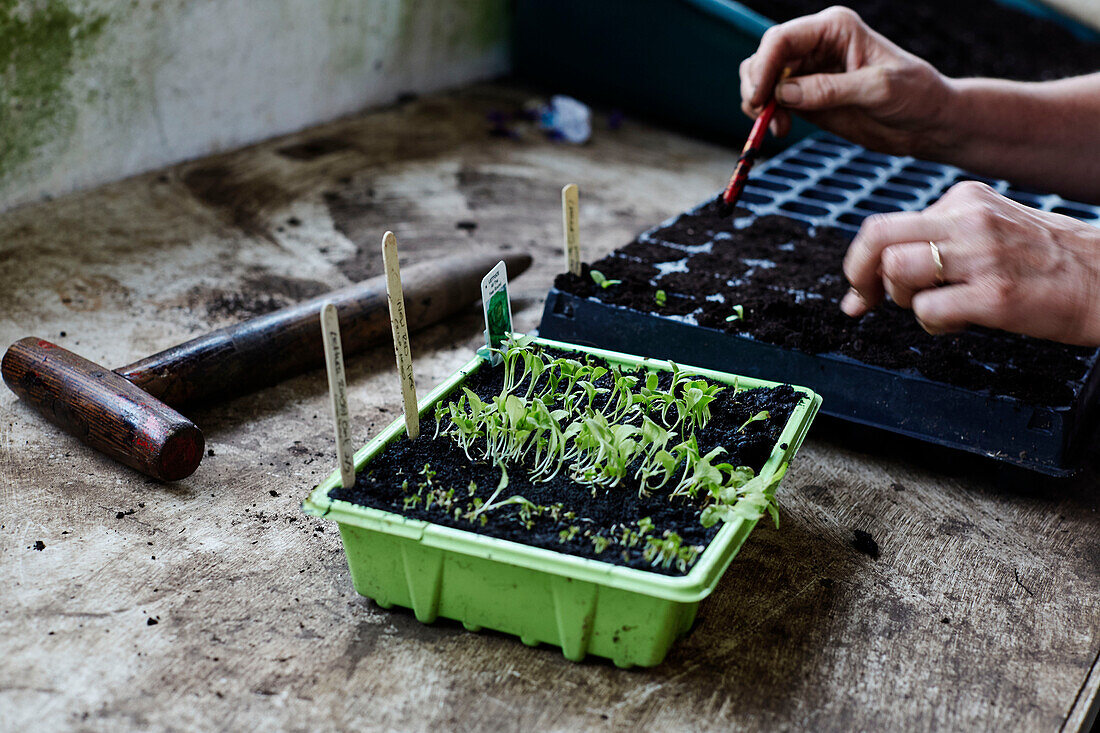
pixel 95 90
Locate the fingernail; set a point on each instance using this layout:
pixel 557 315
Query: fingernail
pixel 929 331
pixel 789 93
pixel 853 303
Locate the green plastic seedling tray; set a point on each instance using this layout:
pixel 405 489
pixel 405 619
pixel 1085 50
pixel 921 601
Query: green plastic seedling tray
pixel 582 605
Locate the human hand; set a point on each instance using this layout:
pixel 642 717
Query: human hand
pixel 849 80
pixel 1004 266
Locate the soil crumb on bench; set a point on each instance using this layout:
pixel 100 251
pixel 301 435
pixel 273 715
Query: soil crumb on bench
pixel 863 542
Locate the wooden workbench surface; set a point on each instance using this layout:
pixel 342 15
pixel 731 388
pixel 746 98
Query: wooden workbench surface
pixel 216 603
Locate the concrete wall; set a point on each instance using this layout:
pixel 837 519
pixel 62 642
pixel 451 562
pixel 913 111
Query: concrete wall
pixel 95 90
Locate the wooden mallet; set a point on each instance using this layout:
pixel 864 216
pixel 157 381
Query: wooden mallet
pixel 130 413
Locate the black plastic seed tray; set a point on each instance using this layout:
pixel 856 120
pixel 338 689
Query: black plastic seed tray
pixel 825 181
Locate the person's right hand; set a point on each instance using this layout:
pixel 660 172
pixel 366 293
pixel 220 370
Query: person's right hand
pixel 849 80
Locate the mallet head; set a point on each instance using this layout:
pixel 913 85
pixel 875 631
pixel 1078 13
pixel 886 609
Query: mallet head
pixel 103 410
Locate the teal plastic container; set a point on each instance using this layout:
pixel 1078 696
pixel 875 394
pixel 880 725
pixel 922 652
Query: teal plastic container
pixel 675 61
pixel 583 606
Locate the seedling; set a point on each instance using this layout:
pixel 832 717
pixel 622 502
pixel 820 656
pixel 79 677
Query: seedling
pixel 670 550
pixel 600 279
pixel 568 533
pixel 598 425
pixel 738 314
pixel 661 297
pixel 762 415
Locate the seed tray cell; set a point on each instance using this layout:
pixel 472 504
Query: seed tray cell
pixel 839 184
pixel 824 180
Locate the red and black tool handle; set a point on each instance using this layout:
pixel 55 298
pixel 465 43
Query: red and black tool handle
pixel 732 193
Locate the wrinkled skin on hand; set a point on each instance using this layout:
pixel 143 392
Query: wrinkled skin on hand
pixel 848 79
pixel 1005 266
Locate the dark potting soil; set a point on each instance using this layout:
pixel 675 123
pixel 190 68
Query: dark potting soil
pixel 379 485
pixel 974 38
pixel 789 281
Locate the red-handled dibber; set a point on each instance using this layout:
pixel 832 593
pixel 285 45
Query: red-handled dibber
pixel 729 197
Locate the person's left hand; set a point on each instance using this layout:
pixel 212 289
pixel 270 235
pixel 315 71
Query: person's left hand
pixel 1004 266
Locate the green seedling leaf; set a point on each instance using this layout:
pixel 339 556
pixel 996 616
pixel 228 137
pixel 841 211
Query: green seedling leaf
pixel 600 279
pixel 738 314
pixel 515 410
pixel 773 510
pixel 661 297
pixel 550 416
pixel 740 476
pixel 713 514
pixel 568 534
pixel 762 415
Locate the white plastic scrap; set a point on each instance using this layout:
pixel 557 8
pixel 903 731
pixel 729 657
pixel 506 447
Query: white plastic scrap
pixel 567 117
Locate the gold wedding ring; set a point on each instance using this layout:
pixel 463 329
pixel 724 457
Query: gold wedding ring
pixel 940 279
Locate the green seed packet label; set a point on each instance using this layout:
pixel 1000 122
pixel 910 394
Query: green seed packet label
pixel 498 309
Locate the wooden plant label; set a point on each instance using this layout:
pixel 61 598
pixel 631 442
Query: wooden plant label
pixel 570 220
pixel 498 310
pixel 338 390
pixel 400 335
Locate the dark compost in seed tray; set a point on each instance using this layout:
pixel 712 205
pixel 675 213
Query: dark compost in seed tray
pixel 378 485
pixel 788 279
pixel 973 38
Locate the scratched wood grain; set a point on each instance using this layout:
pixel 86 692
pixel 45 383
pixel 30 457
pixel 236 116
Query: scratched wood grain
pixel 216 604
